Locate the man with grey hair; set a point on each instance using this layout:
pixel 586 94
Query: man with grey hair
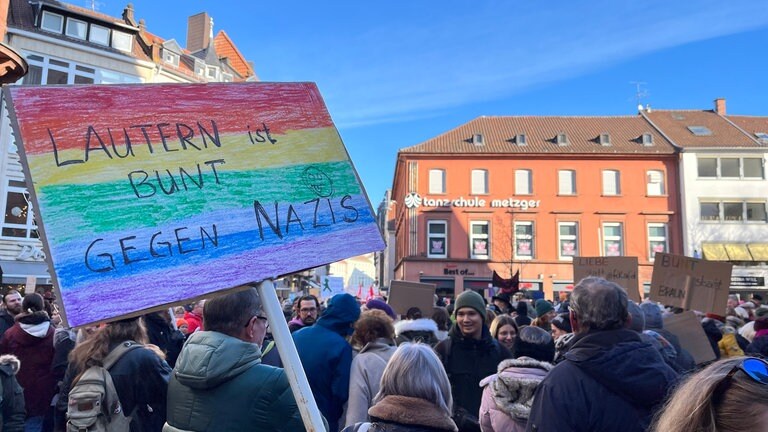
pixel 610 379
pixel 219 383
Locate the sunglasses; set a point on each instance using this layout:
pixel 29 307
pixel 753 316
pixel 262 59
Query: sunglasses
pixel 755 368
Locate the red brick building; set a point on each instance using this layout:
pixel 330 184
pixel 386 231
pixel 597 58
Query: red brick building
pixel 528 194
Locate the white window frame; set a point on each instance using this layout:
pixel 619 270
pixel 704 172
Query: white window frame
pixel 437 185
pixel 746 212
pixel 479 180
pixel 214 70
pixel 99 76
pixel 47 14
pixel 567 237
pixel 655 179
pixel 607 238
pixel 719 168
pixel 570 183
pixel 615 177
pixel 473 236
pixel 443 236
pixel 664 239
pixel 72 23
pixel 30 224
pixel 721 211
pixel 171 57
pixel 122 41
pixel 531 238
pixel 227 77
pixel 97 41
pixel 528 176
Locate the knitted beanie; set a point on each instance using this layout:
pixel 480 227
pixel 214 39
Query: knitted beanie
pixel 471 299
pixel 563 322
pixel 543 306
pixel 380 305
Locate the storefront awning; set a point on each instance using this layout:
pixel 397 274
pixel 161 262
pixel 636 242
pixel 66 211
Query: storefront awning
pixel 737 252
pixel 714 252
pixel 759 251
pixel 17 271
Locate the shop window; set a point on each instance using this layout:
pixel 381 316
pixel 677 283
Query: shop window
pixel 568 239
pixel 19 221
pixel 437 239
pixel 733 211
pixel 436 181
pixel 613 239
pixel 658 240
pixel 524 240
pixel 479 239
pixel 756 212
pixel 709 211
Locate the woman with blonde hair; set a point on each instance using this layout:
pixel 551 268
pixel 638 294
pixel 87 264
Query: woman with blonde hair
pixel 504 329
pixel 415 394
pixel 730 395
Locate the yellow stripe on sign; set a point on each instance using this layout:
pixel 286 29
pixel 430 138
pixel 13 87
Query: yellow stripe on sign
pixel 238 152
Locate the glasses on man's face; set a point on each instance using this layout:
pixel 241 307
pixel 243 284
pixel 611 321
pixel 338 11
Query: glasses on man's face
pixel 259 317
pixel 755 368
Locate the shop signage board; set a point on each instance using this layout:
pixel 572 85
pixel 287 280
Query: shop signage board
pixel 149 195
pixel 621 270
pixel 404 295
pixel 691 283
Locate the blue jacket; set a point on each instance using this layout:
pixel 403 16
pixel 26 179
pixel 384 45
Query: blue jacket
pixel 609 381
pixel 327 357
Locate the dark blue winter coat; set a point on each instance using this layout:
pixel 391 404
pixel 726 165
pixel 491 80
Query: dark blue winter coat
pixel 609 381
pixel 759 346
pixel 327 357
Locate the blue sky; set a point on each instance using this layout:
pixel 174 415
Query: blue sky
pixel 396 73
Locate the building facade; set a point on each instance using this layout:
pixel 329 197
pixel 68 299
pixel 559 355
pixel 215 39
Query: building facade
pixel 724 186
pixel 65 44
pixel 528 194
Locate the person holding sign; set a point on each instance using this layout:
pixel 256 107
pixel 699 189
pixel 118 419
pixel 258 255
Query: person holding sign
pixel 610 379
pixel 219 383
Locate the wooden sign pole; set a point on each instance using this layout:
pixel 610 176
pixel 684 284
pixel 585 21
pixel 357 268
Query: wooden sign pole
pixel 310 413
pixel 688 294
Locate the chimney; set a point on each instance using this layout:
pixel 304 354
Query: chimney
pixel 199 29
pixel 720 106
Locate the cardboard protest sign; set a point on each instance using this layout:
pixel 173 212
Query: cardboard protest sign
pixel 687 327
pixel 620 270
pixel 330 286
pixel 148 195
pixel 690 283
pixel 404 295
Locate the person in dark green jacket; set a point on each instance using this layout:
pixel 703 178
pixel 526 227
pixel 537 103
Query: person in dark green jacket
pixel 219 383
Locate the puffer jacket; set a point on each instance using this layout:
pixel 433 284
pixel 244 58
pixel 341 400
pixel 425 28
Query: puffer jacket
pixel 219 384
pixel 508 395
pixel 12 414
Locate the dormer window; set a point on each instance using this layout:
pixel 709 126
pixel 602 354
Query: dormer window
pixel 122 41
pixel 76 28
pixel 52 22
pixel 171 58
pixel 477 139
pixel 605 139
pixel 212 72
pixel 521 140
pixel 562 139
pixel 99 35
pixel 647 139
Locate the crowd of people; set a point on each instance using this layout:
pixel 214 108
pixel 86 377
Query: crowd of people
pixel 593 361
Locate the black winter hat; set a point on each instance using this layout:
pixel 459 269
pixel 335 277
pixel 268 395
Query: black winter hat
pixel 563 322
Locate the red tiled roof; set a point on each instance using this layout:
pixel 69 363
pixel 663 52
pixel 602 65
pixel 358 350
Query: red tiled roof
pixel 582 132
pixel 675 124
pixel 750 124
pixel 226 48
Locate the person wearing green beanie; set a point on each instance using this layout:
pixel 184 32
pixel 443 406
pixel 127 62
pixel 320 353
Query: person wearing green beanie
pixel 469 354
pixel 545 312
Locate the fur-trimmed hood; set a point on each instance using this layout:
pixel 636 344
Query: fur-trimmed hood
pixel 411 411
pixel 421 324
pixel 10 364
pixel 513 387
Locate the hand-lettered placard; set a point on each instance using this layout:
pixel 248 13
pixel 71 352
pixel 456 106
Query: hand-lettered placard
pixel 330 286
pixel 148 195
pixel 690 283
pixel 620 270
pixel 691 335
pixel 404 295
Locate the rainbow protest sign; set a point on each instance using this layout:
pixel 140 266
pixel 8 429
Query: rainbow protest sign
pixel 148 195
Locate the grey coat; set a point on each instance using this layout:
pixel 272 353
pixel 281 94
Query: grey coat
pixel 365 377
